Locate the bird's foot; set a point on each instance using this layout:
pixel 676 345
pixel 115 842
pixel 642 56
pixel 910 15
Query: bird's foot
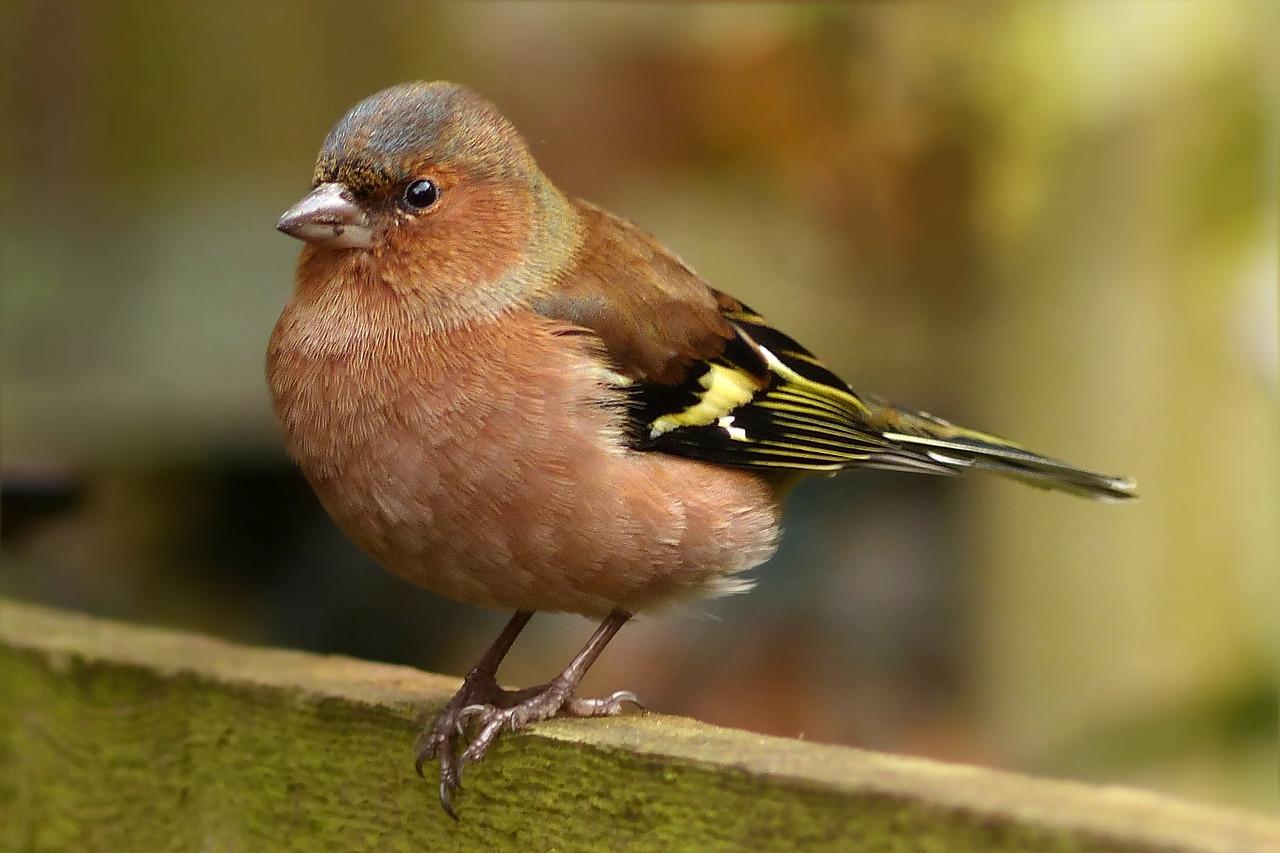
pixel 488 709
pixel 550 700
pixel 439 739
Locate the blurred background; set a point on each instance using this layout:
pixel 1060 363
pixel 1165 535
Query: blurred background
pixel 1052 221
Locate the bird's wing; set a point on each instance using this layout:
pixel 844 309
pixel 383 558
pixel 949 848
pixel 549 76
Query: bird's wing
pixel 713 380
pixel 801 416
pixel 656 317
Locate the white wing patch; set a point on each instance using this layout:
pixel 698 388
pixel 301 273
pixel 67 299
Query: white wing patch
pixel 736 433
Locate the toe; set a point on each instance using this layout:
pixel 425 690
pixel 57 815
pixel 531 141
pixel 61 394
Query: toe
pixel 481 743
pixel 607 706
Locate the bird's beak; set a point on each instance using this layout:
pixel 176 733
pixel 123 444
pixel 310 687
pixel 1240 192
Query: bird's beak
pixel 328 216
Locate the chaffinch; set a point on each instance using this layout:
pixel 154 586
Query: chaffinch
pixel 514 398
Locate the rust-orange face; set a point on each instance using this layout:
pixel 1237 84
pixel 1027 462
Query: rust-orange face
pixel 428 176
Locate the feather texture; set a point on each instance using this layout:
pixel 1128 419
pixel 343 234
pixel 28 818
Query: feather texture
pixel 711 379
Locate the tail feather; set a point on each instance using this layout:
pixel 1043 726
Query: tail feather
pixel 958 448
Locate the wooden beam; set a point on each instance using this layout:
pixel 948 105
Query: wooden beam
pixel 117 737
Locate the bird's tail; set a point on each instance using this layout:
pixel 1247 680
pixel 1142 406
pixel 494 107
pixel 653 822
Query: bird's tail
pixel 956 449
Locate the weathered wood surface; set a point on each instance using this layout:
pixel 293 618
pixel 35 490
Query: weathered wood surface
pixel 115 737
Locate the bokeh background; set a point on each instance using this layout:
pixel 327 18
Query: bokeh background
pixel 1056 221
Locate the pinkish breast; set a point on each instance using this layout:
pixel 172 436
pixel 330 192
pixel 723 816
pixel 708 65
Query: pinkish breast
pixel 487 464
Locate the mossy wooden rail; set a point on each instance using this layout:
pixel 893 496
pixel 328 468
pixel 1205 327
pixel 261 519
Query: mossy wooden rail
pixel 120 738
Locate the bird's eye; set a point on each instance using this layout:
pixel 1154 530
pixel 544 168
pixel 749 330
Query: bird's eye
pixel 420 195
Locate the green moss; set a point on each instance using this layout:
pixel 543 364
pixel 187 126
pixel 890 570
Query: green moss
pixel 116 738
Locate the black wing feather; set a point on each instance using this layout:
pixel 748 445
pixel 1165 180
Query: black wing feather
pixel 796 414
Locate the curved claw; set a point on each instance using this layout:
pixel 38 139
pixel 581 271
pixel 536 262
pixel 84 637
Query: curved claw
pixel 424 754
pixel 446 799
pixel 464 716
pixel 627 696
pixel 450 778
pixel 429 745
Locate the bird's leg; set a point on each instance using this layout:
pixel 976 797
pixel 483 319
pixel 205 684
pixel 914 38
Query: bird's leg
pixel 494 709
pixel 555 698
pixel 480 686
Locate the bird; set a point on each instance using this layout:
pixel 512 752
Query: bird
pixel 516 399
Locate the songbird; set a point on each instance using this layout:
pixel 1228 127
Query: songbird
pixel 514 398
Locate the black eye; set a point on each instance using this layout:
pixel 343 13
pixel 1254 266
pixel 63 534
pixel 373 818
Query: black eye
pixel 420 195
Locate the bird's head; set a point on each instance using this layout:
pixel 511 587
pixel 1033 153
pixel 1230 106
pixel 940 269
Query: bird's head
pixel 432 184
